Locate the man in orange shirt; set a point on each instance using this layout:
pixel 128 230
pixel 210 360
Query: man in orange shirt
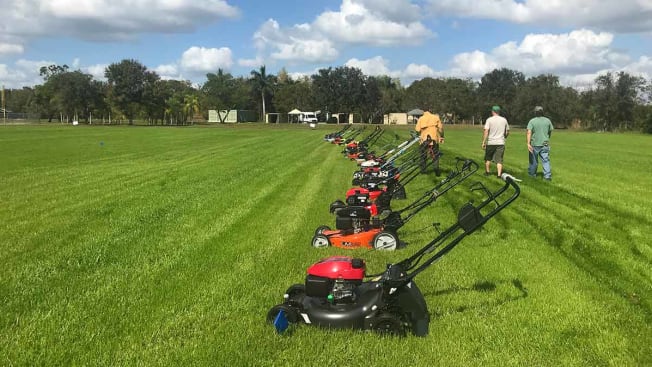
pixel 431 133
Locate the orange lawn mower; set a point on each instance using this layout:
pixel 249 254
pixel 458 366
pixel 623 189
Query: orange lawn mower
pixel 355 227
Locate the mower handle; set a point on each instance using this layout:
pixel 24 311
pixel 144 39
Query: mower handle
pixel 469 220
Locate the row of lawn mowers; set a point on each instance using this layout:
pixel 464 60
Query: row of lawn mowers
pixel 337 292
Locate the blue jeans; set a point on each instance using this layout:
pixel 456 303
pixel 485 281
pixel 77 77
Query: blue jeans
pixel 543 153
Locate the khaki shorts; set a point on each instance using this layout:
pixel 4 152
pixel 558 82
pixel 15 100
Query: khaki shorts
pixel 494 153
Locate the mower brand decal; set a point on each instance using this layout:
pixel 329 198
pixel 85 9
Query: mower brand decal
pixel 306 319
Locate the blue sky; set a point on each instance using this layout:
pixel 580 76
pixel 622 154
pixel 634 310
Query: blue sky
pixel 409 40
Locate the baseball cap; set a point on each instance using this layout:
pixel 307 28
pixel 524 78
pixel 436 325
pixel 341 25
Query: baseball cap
pixel 538 109
pixel 495 108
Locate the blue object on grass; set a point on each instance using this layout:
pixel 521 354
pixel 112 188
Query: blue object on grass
pixel 281 322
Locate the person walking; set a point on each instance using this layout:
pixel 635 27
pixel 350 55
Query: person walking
pixel 538 134
pixel 431 134
pixel 496 130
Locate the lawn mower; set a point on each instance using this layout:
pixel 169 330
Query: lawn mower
pixel 388 157
pixel 331 136
pixel 353 149
pixel 371 184
pixel 348 136
pixel 365 153
pixel 336 295
pixel 388 177
pixel 356 227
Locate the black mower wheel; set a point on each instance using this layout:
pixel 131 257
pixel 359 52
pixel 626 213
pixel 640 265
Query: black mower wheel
pixel 320 240
pixel 290 312
pixel 386 241
pixel 388 324
pixel 321 229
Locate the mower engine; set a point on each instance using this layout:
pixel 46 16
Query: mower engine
pixel 335 279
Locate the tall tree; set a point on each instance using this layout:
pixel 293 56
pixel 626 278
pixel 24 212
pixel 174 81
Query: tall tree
pixel 48 71
pixel 499 87
pixel 190 107
pixel 264 84
pixel 127 80
pixel 293 94
pixel 340 90
pixel 613 100
pixel 560 103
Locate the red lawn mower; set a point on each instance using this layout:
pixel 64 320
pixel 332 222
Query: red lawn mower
pixel 376 189
pixel 336 295
pixel 352 148
pixel 348 136
pixel 356 227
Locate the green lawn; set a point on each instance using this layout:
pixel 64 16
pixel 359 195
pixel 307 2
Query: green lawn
pixel 167 246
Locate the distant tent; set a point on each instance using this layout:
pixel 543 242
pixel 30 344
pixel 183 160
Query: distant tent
pixel 293 116
pixel 415 113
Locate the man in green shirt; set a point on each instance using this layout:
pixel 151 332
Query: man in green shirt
pixel 539 130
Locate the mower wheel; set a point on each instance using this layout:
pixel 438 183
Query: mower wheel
pixel 386 241
pixel 388 324
pixel 290 312
pixel 321 229
pixel 320 241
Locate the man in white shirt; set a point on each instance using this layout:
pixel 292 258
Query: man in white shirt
pixel 495 132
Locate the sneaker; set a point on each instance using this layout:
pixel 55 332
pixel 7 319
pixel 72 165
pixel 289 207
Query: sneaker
pixel 487 173
pixel 547 179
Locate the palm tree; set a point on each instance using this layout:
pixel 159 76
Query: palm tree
pixel 190 107
pixel 264 83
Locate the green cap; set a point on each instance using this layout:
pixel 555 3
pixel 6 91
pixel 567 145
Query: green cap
pixel 495 108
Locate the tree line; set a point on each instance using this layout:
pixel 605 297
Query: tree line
pixel 616 102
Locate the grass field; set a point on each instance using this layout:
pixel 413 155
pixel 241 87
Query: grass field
pixel 167 246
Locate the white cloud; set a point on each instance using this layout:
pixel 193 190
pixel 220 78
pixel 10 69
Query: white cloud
pixel 198 60
pixel 23 73
pixel 251 63
pixel 358 22
pixel 578 52
pixel 609 15
pixel 371 22
pixel 475 63
pixel 374 66
pixel 296 44
pixel 419 71
pixel 306 50
pixel 642 67
pixel 97 71
pixel 108 19
pixel 11 48
pixel 378 65
pixel 168 71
